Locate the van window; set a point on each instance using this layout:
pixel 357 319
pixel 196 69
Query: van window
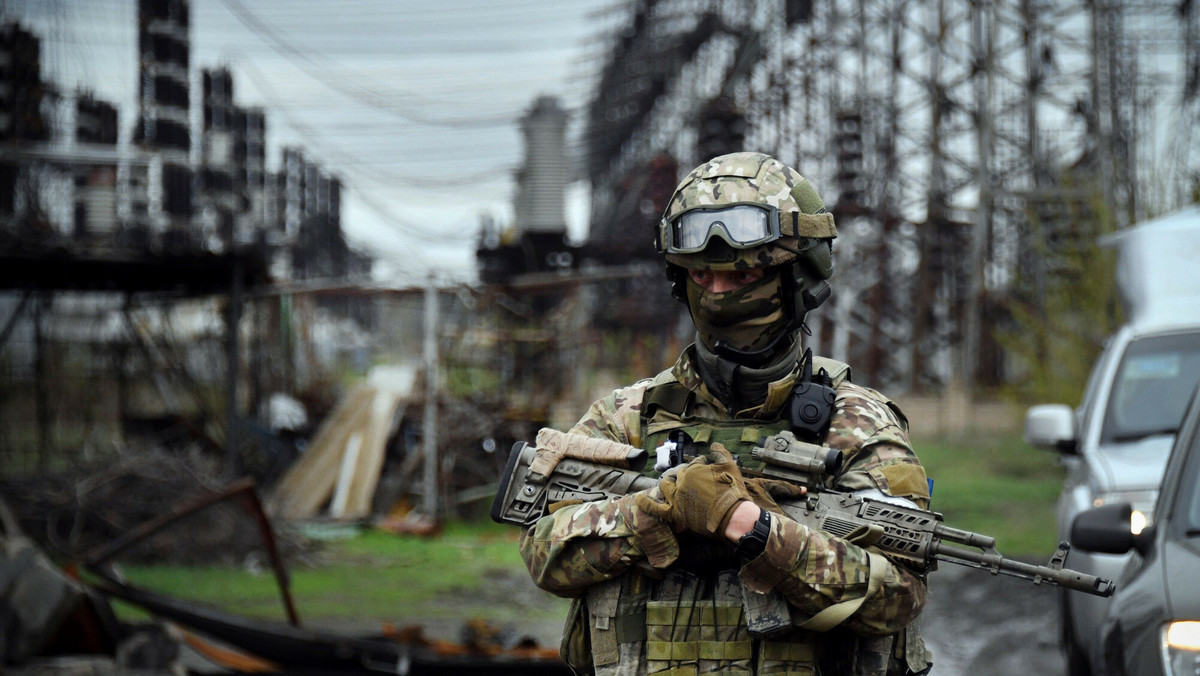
pixel 1153 385
pixel 1088 406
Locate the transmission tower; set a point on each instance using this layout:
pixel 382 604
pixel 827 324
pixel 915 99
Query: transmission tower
pixel 952 139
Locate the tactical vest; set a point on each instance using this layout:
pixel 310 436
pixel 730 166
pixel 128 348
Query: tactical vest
pixel 669 406
pixel 693 620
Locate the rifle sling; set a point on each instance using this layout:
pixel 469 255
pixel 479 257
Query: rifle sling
pixel 837 613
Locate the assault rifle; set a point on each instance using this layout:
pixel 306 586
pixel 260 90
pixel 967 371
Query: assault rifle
pixel 564 468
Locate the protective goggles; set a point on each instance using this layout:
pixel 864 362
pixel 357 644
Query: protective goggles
pixel 742 226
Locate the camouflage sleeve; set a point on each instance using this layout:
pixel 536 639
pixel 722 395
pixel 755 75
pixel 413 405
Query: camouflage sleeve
pixel 616 417
pixel 815 570
pixel 580 545
pixel 872 435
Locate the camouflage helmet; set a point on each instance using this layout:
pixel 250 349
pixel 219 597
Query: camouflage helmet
pixel 805 229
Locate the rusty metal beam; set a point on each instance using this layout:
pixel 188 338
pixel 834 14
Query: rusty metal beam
pixel 245 490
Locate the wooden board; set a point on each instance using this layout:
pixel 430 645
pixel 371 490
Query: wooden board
pixel 309 482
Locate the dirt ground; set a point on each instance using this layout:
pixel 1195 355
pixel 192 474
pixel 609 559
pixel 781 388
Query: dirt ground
pixel 987 625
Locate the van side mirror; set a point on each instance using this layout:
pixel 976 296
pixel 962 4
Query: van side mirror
pixel 1106 530
pixel 1052 426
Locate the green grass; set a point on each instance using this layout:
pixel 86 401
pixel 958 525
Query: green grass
pixel 998 487
pixel 375 577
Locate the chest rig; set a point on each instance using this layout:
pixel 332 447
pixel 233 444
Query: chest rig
pixel 672 412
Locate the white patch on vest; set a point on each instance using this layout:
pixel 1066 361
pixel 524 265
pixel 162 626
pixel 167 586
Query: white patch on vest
pixel 663 460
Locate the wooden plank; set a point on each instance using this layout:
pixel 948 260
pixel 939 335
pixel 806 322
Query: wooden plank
pixel 394 385
pixel 371 454
pixel 346 472
pixel 308 483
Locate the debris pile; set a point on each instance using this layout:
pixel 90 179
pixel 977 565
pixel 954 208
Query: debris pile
pixel 366 457
pixel 74 511
pixel 51 622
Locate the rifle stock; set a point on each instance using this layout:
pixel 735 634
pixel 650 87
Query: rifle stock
pixel 524 496
pixel 908 534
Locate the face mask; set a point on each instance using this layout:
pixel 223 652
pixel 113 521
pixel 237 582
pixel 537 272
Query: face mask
pixel 746 319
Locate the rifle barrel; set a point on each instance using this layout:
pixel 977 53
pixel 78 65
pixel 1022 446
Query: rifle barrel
pixel 995 563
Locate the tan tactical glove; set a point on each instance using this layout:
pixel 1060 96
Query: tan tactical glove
pixel 701 495
pixel 765 492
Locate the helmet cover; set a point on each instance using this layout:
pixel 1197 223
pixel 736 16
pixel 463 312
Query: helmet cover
pixel 753 178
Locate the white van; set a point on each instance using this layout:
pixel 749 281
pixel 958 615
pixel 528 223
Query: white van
pixel 1115 444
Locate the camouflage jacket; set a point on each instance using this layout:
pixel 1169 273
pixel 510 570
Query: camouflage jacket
pixel 579 546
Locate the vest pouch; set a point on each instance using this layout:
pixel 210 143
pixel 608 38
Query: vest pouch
pixel 725 646
pixel 696 626
pixel 873 656
pixel 917 657
pixel 786 659
pixel 843 652
pixel 576 646
pixel 789 654
pixel 672 630
pixel 616 620
pixel 602 602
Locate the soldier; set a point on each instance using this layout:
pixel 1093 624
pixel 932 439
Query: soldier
pixel 662 580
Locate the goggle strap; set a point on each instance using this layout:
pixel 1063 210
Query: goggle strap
pixel 808 225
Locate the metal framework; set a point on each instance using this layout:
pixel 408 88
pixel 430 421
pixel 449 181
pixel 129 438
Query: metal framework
pixel 950 138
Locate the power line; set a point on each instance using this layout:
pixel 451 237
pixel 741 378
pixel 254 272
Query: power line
pixel 399 225
pixel 348 161
pixel 402 153
pixel 362 94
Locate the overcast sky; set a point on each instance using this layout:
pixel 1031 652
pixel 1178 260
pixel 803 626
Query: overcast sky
pixel 413 104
